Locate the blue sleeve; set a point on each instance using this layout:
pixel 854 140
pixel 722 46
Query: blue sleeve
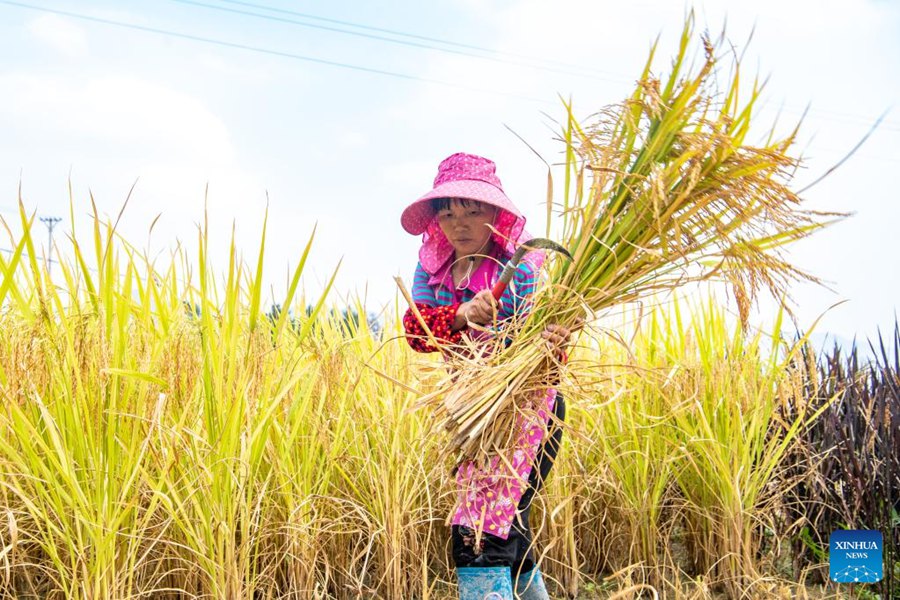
pixel 517 297
pixel 422 293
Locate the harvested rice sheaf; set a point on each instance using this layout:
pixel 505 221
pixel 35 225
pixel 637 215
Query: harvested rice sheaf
pixel 661 190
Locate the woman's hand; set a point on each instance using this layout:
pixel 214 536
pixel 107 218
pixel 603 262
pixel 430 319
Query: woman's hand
pixel 558 337
pixel 482 310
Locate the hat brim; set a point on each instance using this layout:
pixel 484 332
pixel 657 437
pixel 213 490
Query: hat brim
pixel 418 215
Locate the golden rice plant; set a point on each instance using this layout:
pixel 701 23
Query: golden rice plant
pixel 730 442
pixel 626 420
pixel 389 472
pixel 79 414
pixel 682 452
pixel 164 436
pixel 149 450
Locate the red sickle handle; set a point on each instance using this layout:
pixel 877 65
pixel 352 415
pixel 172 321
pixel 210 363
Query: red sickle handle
pixel 507 274
pixel 498 289
pixel 510 268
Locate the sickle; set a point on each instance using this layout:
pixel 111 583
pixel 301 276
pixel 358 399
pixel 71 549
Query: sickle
pixel 510 268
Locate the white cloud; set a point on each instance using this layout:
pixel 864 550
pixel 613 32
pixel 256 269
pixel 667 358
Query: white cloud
pixel 412 174
pixel 61 34
pixel 119 111
pixel 111 131
pixel 352 140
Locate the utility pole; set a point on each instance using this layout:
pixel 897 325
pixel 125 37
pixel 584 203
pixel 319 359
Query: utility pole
pixel 50 222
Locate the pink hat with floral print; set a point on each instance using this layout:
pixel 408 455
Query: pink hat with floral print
pixel 473 178
pixel 459 176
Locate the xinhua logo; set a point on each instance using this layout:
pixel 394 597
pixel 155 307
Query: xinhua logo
pixel 855 556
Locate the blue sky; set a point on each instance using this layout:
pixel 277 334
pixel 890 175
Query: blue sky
pixel 349 149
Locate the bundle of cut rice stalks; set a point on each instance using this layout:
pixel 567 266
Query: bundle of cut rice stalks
pixel 661 190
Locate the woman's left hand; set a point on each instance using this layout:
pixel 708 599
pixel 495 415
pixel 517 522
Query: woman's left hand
pixel 558 338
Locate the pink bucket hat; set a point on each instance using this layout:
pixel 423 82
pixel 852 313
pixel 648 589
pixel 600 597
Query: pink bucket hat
pixel 463 176
pixel 459 176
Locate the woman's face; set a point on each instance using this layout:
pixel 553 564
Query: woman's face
pixel 465 223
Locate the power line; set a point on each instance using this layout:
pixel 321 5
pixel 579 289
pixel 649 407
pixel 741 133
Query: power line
pixel 415 36
pixel 838 117
pixel 522 63
pixel 587 71
pixel 26 255
pixel 257 49
pixel 51 261
pixel 325 62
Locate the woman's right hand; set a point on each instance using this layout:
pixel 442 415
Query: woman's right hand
pixel 482 309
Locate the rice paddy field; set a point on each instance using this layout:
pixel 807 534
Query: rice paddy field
pixel 167 431
pixel 166 434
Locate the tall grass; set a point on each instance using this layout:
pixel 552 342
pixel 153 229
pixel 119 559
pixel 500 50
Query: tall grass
pixel 731 442
pixel 151 451
pixel 628 425
pixel 685 450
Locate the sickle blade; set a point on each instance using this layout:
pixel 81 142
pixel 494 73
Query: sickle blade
pixel 509 269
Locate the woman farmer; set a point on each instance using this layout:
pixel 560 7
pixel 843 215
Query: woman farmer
pixel 470 230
